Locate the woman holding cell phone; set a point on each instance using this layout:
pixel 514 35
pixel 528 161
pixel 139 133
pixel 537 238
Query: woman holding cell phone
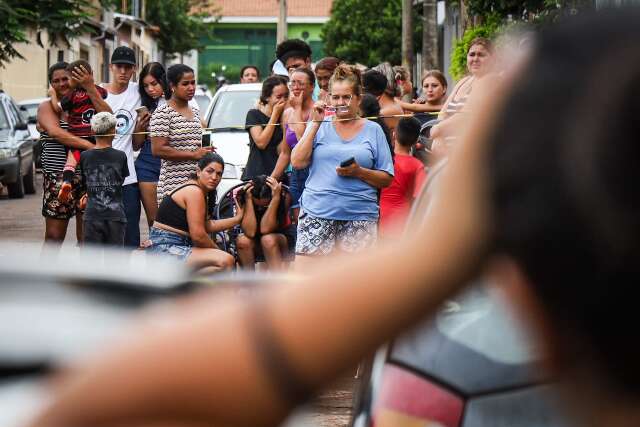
pixel 154 92
pixel 349 160
pixel 176 132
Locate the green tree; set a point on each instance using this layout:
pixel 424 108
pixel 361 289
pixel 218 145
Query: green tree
pixel 61 19
pixel 180 29
pixel 367 31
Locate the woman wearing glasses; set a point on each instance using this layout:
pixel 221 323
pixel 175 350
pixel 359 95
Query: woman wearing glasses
pixel 349 161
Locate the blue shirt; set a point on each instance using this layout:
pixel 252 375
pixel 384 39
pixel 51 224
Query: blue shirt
pixel 330 196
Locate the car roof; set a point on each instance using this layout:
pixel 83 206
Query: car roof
pixel 241 87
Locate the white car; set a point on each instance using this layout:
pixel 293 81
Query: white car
pixel 226 117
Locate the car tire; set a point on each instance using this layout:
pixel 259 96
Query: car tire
pixel 29 180
pixel 16 190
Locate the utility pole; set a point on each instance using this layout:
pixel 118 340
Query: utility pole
pixel 281 30
pixel 407 35
pixel 430 35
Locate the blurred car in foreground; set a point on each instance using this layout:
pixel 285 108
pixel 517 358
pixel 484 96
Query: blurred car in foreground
pixel 64 306
pixel 469 366
pixel 226 117
pixel 17 169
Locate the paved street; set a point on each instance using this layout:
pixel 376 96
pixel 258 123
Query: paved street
pixel 22 222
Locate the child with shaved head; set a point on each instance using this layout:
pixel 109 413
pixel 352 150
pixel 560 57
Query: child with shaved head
pixel 103 172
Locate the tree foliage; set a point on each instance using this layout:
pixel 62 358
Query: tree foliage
pixel 180 30
pixel 526 10
pixel 495 16
pixel 61 19
pixel 368 31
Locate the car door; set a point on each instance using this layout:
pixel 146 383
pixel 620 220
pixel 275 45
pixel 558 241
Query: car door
pixel 21 135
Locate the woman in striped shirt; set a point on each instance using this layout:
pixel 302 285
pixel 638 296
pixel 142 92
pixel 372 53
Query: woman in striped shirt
pixel 56 142
pixel 176 132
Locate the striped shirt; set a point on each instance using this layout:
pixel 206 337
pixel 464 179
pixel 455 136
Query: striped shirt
pixel 182 135
pixel 54 154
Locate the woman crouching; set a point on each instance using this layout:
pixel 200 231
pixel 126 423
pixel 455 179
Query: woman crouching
pixel 182 229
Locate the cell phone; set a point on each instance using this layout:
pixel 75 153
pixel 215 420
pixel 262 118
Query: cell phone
pixel 348 162
pixel 142 109
pixel 206 140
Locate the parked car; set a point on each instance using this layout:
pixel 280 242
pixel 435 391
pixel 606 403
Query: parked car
pixel 469 366
pixel 226 116
pixel 29 110
pixel 17 169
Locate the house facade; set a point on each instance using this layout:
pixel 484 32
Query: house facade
pixel 27 78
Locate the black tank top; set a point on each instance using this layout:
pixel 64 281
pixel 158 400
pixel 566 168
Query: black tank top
pixel 171 214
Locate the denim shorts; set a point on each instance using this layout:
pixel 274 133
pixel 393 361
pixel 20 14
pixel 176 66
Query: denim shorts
pixel 165 242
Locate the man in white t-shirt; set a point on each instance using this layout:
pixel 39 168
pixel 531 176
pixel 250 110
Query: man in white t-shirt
pixel 123 98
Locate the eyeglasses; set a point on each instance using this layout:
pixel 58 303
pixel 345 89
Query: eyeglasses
pixel 297 83
pixel 338 98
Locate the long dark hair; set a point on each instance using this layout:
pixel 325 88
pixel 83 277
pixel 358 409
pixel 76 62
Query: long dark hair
pixel 156 70
pixel 564 191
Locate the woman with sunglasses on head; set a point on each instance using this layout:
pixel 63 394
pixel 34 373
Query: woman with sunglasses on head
pixel 265 131
pixel 154 92
pixel 349 161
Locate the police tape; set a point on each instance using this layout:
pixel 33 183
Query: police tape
pixel 246 127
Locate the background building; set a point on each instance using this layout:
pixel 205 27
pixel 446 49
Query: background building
pixel 245 33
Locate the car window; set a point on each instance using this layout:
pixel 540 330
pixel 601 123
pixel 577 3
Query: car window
pixel 4 120
pixel 32 110
pixel 16 112
pixel 230 109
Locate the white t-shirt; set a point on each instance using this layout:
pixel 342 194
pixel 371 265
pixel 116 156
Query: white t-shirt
pixel 124 107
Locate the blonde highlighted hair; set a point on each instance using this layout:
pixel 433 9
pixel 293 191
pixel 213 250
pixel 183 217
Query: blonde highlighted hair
pixel 347 73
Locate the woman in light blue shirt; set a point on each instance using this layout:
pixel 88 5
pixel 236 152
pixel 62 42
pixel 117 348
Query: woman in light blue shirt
pixel 339 206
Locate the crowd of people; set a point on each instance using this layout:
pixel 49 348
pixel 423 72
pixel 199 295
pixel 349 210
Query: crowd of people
pixel 331 162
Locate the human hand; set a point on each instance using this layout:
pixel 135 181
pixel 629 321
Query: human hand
pixel 200 152
pixel 143 121
pixel 82 203
pixel 51 92
pixel 318 111
pixel 278 108
pixel 83 77
pixel 296 100
pixel 353 170
pixel 275 186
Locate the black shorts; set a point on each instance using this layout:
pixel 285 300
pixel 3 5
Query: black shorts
pixel 107 232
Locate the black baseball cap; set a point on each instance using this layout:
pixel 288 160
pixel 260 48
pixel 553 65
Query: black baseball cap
pixel 123 55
